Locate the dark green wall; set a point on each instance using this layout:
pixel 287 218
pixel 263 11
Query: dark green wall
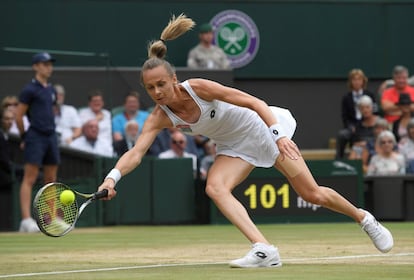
pixel 299 39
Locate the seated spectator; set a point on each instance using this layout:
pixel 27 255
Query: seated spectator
pixel 390 83
pixel 364 129
pixel 68 124
pixel 131 135
pixel 177 149
pixel 96 110
pixel 387 161
pixel 208 159
pixel 369 149
pixel 131 111
pixel 206 55
pixel 399 127
pixel 357 84
pixel 11 102
pixel 90 142
pixel 407 148
pixel 162 143
pixel 6 179
pixel 390 96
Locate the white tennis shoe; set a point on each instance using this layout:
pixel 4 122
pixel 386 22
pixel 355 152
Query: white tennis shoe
pixel 28 225
pixel 261 255
pixel 380 236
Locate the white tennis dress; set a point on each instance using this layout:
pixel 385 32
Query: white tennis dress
pixel 237 131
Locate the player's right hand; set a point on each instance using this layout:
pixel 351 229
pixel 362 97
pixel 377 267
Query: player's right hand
pixel 108 184
pixel 288 148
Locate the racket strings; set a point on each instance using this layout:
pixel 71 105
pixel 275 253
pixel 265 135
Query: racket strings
pixel 52 216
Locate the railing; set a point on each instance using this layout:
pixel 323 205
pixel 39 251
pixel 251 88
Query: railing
pixel 148 192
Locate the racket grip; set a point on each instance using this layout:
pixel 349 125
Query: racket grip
pixel 101 194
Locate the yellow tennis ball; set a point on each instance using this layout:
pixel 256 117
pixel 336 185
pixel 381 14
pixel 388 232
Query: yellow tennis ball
pixel 67 197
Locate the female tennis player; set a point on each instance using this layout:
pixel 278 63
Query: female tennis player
pixel 248 134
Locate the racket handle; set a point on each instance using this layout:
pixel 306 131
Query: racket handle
pixel 101 194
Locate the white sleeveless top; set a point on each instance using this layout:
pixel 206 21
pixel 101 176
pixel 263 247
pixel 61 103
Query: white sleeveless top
pixel 237 131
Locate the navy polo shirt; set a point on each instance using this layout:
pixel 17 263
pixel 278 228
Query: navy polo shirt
pixel 40 100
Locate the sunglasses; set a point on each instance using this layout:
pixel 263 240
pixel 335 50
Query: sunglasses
pixel 180 142
pixel 10 104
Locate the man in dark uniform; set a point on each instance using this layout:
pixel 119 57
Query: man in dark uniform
pixel 40 142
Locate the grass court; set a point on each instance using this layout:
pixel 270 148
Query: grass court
pixel 308 251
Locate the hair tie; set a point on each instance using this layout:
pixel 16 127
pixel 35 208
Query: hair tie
pixel 163 41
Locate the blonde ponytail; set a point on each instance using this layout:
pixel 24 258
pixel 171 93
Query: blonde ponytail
pixel 176 27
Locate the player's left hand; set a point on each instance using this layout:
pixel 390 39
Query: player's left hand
pixel 288 148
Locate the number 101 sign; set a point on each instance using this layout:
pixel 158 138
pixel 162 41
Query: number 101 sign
pixel 272 199
pixel 267 196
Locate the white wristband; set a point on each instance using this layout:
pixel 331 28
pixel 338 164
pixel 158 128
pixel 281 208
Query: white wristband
pixel 277 131
pixel 115 175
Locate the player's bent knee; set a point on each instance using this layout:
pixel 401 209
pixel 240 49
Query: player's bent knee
pixel 315 197
pixel 215 191
pixel 211 191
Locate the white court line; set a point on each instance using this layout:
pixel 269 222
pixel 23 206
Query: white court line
pixel 197 264
pixel 347 257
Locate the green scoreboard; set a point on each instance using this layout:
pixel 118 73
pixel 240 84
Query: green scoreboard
pixel 268 196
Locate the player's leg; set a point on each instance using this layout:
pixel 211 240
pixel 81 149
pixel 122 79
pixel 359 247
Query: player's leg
pixel 224 175
pixel 302 181
pixel 305 185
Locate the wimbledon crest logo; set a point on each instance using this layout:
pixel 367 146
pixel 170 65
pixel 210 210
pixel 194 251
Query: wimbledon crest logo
pixel 237 34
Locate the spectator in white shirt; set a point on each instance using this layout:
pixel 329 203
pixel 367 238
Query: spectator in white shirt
pixel 90 142
pixel 95 110
pixel 177 150
pixel 68 124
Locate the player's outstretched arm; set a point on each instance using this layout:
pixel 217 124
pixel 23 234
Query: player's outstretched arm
pixel 132 159
pixel 127 162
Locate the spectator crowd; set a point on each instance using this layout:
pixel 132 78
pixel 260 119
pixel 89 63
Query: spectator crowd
pixel 109 133
pixel 365 116
pixel 379 128
pixel 96 130
pixel 40 118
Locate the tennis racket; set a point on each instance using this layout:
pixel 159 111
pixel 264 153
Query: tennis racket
pixel 54 218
